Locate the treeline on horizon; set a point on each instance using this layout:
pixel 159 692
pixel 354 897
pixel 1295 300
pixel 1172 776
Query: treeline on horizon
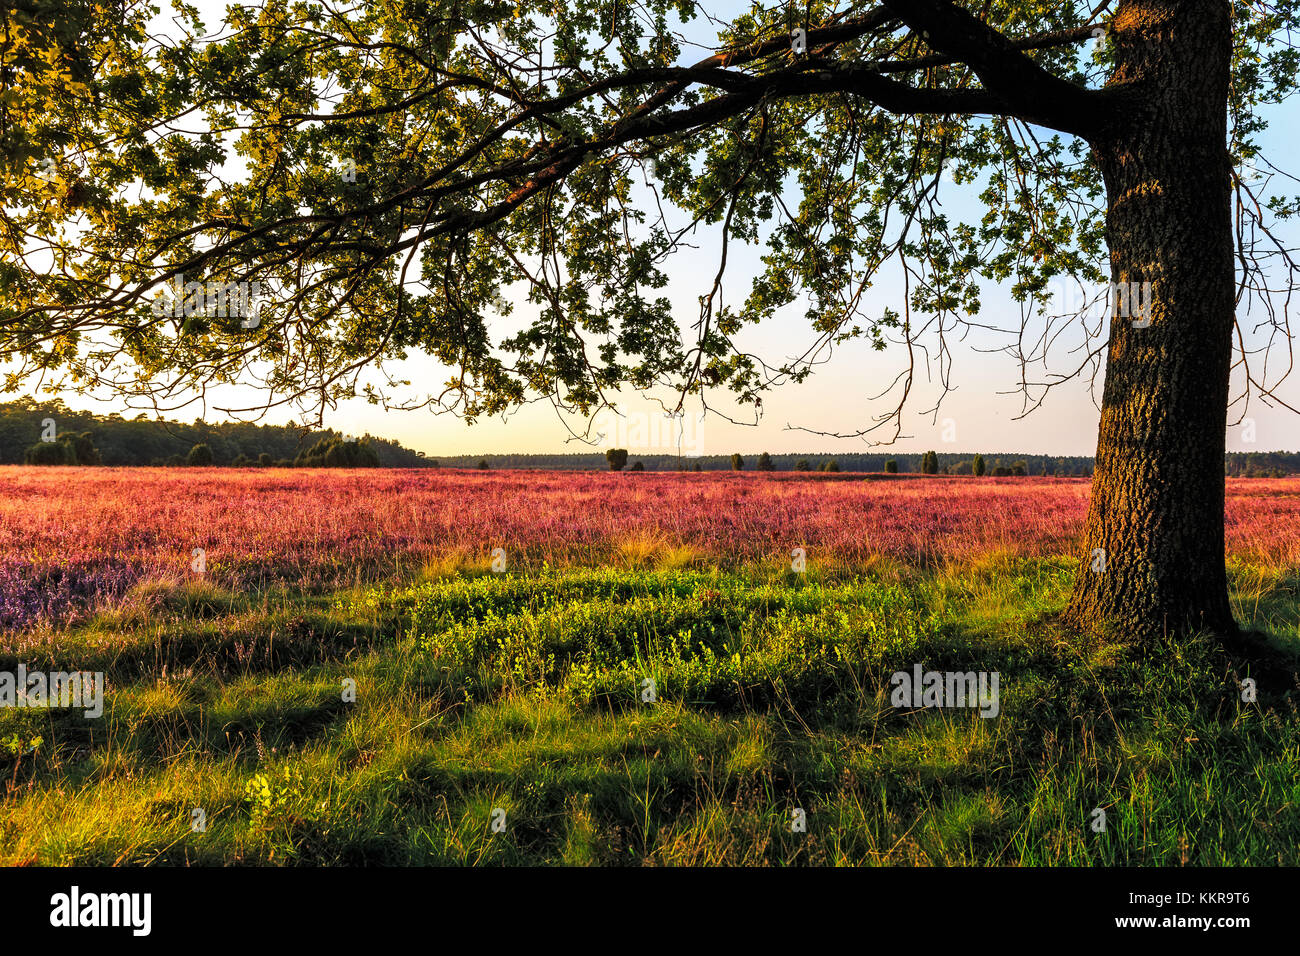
pixel 956 463
pixel 1236 464
pixel 144 441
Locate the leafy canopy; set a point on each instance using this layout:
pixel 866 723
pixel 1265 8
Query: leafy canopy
pixel 392 177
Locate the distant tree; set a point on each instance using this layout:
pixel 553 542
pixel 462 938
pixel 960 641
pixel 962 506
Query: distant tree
pixel 638 466
pixel 265 460
pixel 802 465
pixel 1019 469
pixel 483 465
pixel 1001 471
pixel 830 465
pixel 51 453
pixel 241 461
pixel 200 456
pixel 765 463
pixel 337 451
pixel 737 463
pixel 83 448
pixel 340 453
pixel 891 467
pixel 283 463
pixel 70 449
pixel 929 463
pixel 698 467
pixel 617 458
pixel 979 466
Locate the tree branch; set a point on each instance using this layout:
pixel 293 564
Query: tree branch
pixel 1029 91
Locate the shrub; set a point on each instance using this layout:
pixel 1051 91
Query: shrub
pixel 829 464
pixel 350 454
pixel 802 465
pixel 68 450
pixel 336 452
pixel 200 456
pixel 51 453
pixel 265 460
pixel 83 449
pixel 765 463
pixel 638 466
pixel 737 463
pixel 483 465
pixel 617 458
pixel 891 467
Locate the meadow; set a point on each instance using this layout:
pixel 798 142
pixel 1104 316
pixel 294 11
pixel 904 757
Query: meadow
pixel 336 669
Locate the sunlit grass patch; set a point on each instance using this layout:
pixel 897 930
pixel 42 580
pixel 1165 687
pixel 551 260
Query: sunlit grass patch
pixel 522 697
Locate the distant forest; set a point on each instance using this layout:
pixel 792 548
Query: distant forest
pixel 1237 464
pixel 143 441
pixel 954 463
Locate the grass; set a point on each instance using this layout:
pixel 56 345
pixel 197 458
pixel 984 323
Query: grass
pixel 523 692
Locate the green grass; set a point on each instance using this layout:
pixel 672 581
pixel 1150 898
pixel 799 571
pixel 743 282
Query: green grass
pixel 523 693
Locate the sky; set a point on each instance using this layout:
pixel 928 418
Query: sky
pixel 981 412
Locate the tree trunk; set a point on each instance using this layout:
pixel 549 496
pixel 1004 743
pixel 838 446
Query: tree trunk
pixel 1153 558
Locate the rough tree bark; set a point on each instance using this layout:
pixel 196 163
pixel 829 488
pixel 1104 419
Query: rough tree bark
pixel 1157 508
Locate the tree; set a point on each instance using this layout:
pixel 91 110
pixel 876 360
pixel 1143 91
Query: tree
pixel 617 458
pixel 51 453
pixel 891 467
pixel 929 463
pixel 335 451
pixel 737 463
pixel 265 460
pixel 84 451
pixel 802 465
pixel 71 448
pixel 1104 151
pixel 830 465
pixel 241 461
pixel 978 467
pixel 638 466
pixel 199 456
pixel 359 454
pixel 765 463
pixel 483 465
